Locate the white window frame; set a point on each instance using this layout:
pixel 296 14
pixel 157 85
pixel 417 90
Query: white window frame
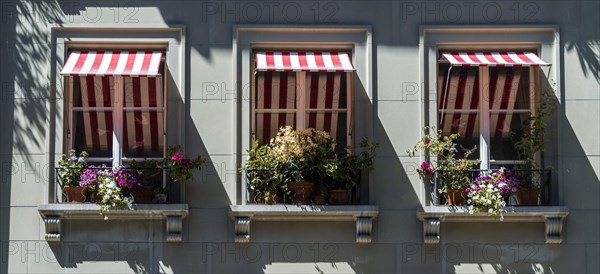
pixel 485 112
pixel 117 109
pixel 302 109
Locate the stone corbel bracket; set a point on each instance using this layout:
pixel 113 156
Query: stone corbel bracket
pixel 243 215
pixel 553 217
pixel 54 214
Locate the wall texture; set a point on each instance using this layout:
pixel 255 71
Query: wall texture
pixel 210 107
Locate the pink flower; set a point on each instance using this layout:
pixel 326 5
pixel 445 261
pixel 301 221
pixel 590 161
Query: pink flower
pixel 426 167
pixel 177 156
pixel 426 141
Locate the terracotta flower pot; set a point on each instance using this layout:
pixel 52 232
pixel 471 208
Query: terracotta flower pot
pixel 338 197
pixel 303 192
pixel 142 194
pixel 75 194
pixel 319 199
pixel 456 197
pixel 528 196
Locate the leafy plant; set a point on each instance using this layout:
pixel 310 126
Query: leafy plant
pixel 261 169
pixel 343 171
pixel 301 154
pixel 70 168
pixel 441 157
pixel 181 168
pixel 534 140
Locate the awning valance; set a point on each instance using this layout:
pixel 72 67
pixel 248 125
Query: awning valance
pixel 506 59
pixel 112 63
pixel 303 61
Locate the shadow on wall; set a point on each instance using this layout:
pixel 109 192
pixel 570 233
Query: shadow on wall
pixel 24 115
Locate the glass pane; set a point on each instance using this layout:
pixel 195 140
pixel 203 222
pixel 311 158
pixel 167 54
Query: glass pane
pixel 466 125
pixel 509 88
pixel 267 125
pixel 93 132
pixel 459 89
pixel 91 91
pixel 143 134
pixel 326 90
pixel 506 129
pixel 333 122
pixel 275 90
pixel 143 92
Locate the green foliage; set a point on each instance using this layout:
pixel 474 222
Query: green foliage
pixel 70 168
pixel 343 172
pixel 304 155
pixel 180 168
pixel 534 139
pixel 441 155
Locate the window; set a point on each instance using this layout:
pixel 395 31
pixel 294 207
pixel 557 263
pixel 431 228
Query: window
pixel 486 98
pixel 116 105
pixel 302 90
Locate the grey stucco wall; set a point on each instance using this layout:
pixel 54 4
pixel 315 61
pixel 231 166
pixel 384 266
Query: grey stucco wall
pixel 27 145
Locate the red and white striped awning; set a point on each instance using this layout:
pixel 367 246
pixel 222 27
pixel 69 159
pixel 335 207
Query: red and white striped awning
pixel 506 59
pixel 112 63
pixel 304 61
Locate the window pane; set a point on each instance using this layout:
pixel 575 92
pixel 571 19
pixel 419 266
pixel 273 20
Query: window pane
pixel 91 91
pixel 267 125
pixel 93 132
pixel 143 134
pixel 143 92
pixel 275 90
pixel 505 130
pixel 509 88
pixel 459 89
pixel 466 125
pixel 333 122
pixel 326 90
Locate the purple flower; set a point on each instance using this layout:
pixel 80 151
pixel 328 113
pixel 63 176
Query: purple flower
pixel 468 189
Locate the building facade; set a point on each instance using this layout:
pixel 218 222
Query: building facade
pixel 208 75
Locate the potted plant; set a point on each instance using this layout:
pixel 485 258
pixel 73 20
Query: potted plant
pixel 529 147
pixel 110 187
pixel 490 190
pixel 262 181
pixel 180 168
pixel 441 158
pixel 300 157
pixel 70 168
pixel 343 172
pixel 149 177
pixel 292 162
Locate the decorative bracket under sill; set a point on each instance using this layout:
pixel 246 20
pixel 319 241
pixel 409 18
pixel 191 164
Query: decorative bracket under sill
pixel 243 215
pixel 173 214
pixel 552 216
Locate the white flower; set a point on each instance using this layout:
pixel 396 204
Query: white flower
pixel 490 211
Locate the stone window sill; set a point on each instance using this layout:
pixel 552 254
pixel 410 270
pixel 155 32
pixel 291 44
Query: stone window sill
pixel 363 215
pixel 552 216
pixel 173 214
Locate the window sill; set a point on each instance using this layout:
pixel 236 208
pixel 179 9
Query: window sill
pixel 363 215
pixel 53 214
pixel 433 216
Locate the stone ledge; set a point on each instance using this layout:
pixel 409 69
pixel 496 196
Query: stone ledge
pixel 173 214
pixel 363 215
pixel 552 216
